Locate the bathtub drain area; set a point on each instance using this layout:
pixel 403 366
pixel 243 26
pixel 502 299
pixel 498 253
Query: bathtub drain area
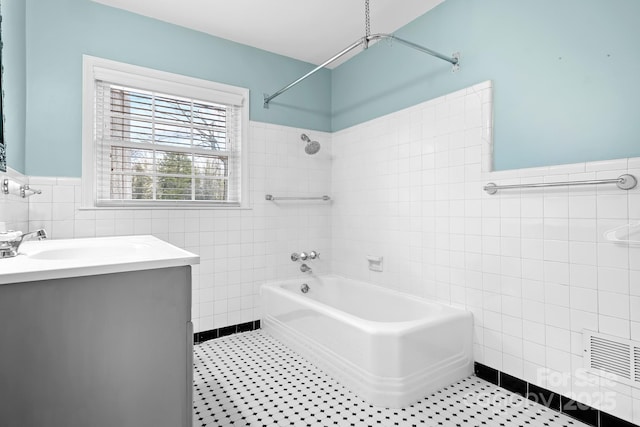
pixel 252 380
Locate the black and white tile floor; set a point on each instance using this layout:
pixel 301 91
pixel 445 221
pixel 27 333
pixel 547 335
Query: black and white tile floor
pixel 251 379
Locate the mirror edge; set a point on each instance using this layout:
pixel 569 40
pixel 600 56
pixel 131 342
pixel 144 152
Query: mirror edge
pixel 3 151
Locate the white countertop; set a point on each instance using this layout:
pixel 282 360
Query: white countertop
pixel 55 259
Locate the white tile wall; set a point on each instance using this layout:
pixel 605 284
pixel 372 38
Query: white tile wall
pixel 14 210
pixel 239 249
pixel 531 264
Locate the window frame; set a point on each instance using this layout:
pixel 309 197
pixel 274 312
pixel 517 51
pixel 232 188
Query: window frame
pixel 95 68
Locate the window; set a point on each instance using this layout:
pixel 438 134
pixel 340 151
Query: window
pixel 154 139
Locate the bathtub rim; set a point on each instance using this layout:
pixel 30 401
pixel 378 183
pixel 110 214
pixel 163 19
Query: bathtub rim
pixel 446 312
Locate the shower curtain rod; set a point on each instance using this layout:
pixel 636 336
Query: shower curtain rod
pixel 453 59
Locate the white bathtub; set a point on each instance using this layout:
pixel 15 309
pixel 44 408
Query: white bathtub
pixel 389 348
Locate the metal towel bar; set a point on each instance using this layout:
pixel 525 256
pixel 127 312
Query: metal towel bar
pixel 273 198
pixel 624 182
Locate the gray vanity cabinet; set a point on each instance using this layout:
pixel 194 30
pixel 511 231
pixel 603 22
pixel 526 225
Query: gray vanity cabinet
pixel 110 350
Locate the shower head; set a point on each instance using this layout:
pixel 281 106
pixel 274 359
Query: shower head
pixel 312 147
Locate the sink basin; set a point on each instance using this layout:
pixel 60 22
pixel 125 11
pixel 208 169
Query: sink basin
pixel 52 259
pixel 97 252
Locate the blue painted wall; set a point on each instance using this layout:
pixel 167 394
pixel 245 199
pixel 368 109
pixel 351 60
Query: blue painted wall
pixel 14 80
pixel 59 32
pixel 566 75
pixel 564 72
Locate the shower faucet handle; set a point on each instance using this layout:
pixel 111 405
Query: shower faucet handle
pixel 303 256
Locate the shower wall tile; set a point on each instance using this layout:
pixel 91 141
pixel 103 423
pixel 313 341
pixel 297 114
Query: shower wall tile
pixel 239 248
pixel 532 265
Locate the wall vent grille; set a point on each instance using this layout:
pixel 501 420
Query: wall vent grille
pixel 613 355
pixel 636 363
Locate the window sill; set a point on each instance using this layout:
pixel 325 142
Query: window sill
pixel 165 207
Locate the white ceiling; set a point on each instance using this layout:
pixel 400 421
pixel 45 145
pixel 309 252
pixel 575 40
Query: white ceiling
pixel 310 31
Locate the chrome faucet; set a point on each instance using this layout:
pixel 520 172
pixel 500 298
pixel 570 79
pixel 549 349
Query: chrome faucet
pixel 11 241
pixel 303 256
pixel 305 268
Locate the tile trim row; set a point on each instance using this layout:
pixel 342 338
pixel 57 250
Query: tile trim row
pixel 211 334
pixel 584 413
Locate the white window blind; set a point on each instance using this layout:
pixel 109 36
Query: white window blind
pixel 157 148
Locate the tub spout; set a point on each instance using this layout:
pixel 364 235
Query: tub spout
pixel 305 268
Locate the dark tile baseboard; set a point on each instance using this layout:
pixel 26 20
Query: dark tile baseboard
pixel 550 399
pixel 211 334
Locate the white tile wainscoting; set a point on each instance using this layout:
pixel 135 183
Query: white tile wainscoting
pixel 239 248
pixel 14 210
pixel 531 264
